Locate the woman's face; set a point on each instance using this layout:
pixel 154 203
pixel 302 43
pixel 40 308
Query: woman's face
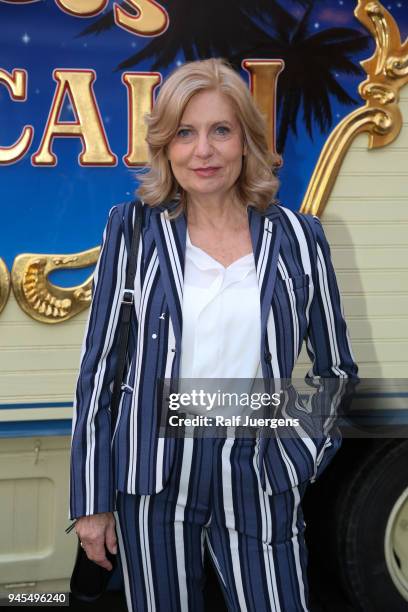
pixel 206 152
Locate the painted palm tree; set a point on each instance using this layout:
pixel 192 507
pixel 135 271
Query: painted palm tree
pixel 311 63
pixel 236 29
pixel 201 29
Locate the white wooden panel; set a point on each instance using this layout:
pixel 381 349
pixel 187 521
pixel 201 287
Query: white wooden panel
pixel 392 369
pixel 370 232
pixel 38 362
pixel 351 185
pixel 365 208
pixel 45 386
pixel 381 305
pixel 366 370
pixel 403 105
pixel 370 257
pixel 394 161
pixel 380 350
pixel 403 137
pixel 373 281
pixel 40 334
pixel 34 414
pixel 377 328
pixel 34 490
pixel 371 368
pixel 25 537
pixel 39 358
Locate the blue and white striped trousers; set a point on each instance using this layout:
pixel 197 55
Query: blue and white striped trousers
pixel 214 498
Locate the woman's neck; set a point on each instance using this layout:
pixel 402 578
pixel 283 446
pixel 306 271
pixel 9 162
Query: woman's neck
pixel 215 211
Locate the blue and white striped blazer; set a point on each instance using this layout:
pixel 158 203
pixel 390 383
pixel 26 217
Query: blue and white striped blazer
pixel 299 300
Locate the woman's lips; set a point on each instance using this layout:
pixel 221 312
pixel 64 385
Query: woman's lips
pixel 210 171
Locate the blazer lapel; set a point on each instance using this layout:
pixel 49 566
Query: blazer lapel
pixel 266 234
pixel 170 238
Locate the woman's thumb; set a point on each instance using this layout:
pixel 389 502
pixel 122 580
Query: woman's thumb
pixel 111 541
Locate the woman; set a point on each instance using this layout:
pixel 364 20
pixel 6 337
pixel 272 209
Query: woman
pixel 228 285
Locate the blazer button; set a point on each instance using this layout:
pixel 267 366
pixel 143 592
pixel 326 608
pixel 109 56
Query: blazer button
pixel 268 356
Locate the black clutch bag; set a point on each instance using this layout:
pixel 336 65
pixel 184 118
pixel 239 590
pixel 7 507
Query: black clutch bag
pixel 89 580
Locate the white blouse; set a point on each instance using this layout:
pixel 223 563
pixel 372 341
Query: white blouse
pixel 221 319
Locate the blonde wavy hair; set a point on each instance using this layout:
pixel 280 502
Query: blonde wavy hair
pixel 257 183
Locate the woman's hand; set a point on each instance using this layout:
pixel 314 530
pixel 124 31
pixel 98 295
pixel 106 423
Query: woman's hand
pixel 95 531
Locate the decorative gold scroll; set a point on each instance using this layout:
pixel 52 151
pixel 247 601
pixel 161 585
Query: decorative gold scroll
pixel 4 284
pixel 380 117
pixel 88 125
pixel 43 300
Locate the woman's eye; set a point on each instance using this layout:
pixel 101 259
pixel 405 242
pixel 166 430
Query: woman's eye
pixel 184 132
pixel 222 130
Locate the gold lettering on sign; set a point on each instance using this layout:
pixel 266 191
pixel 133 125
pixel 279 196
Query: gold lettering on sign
pixel 88 126
pixel 263 79
pixel 151 18
pixel 140 86
pixel 4 284
pixel 43 300
pixel 16 84
pixel 82 8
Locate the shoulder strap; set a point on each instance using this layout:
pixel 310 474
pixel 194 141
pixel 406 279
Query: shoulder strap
pixel 125 315
pixel 126 309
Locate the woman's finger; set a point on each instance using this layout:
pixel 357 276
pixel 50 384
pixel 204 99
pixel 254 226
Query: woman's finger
pixel 95 552
pixel 110 538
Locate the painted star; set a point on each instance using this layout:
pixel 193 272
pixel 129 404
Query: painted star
pixel 25 38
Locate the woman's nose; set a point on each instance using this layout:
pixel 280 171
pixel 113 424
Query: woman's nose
pixel 204 147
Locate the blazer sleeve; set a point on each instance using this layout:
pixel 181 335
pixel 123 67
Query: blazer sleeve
pixel 91 474
pixel 328 341
pixel 329 348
